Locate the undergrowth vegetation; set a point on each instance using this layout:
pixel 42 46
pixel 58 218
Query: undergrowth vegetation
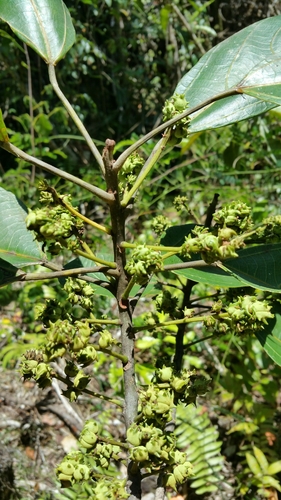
pixel 144 273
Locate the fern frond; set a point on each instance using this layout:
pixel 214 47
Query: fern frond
pixel 197 435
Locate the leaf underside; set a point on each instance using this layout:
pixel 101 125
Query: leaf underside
pixel 248 61
pixel 17 244
pixel 44 25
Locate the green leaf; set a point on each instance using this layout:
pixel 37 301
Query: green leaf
pixel 17 244
pixel 206 489
pixel 253 464
pixel 261 458
pixel 244 427
pixel 175 235
pixel 83 262
pixel 248 61
pixel 268 481
pixel 44 25
pixel 269 93
pixel 209 275
pixel 258 267
pixel 3 131
pixel 7 272
pixel 274 468
pixel 270 336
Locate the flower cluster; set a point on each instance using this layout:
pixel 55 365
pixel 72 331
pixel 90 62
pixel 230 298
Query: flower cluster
pixel 153 446
pixel 236 216
pixel 172 107
pixel 34 366
pixel 180 203
pixel 167 303
pixel 73 469
pixel 92 461
pixel 211 247
pixel 143 263
pixel 160 224
pixel 245 315
pixel 129 172
pixel 53 223
pixel 79 292
pixel 270 231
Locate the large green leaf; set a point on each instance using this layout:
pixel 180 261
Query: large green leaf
pixel 44 25
pixel 270 336
pixel 209 275
pixel 258 266
pixel 249 61
pixel 3 131
pixel 17 244
pixel 7 272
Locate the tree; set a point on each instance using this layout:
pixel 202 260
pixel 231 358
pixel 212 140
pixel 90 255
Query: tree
pixel 235 80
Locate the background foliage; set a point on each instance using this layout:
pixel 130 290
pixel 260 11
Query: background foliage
pixel 128 58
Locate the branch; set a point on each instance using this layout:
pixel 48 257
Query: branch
pixel 103 195
pixel 186 265
pixel 123 157
pixel 64 273
pixel 75 117
pixel 150 162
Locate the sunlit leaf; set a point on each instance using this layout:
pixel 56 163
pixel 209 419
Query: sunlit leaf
pixel 17 244
pixel 274 468
pixel 249 61
pixel 245 427
pixel 44 25
pixel 253 464
pixel 3 131
pixel 270 336
pixel 261 458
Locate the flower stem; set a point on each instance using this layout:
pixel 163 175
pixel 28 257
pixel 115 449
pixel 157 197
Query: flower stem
pixel 74 116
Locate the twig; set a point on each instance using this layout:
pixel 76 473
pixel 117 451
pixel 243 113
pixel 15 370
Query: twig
pixel 103 195
pixel 75 117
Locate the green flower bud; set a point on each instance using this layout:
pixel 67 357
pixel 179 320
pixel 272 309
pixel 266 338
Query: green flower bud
pixel 139 454
pixel 88 440
pixel 28 367
pixel 71 369
pixel 134 435
pixel 66 468
pixel 165 401
pixel 82 472
pixel 106 339
pixel 170 481
pixel 178 384
pixel 71 394
pixel 164 374
pixel 182 472
pixel 87 355
pixel 81 380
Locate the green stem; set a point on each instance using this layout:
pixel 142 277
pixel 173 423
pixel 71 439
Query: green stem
pixel 128 288
pixel 115 354
pixel 68 383
pixel 123 157
pixel 103 439
pixel 96 321
pixel 75 117
pixel 150 162
pixel 169 323
pixel 187 346
pixel 92 223
pixel 64 273
pixel 103 195
pixel 94 258
pixel 159 248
